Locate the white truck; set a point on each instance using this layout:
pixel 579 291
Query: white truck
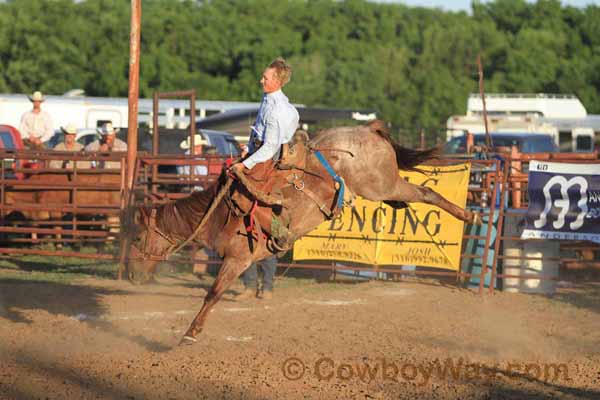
pixel 562 116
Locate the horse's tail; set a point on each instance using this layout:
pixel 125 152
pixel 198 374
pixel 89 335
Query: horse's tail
pixel 407 159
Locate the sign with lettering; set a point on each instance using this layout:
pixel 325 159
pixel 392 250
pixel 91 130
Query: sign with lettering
pixel 564 201
pixel 375 233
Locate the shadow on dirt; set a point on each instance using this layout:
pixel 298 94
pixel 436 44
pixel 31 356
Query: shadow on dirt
pixel 128 380
pixel 54 372
pixel 18 298
pixel 510 393
pixel 543 384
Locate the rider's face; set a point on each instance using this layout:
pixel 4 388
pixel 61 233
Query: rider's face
pixel 269 81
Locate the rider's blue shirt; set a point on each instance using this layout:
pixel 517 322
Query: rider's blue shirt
pixel 276 123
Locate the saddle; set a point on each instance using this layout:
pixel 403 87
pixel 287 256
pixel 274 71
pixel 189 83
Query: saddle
pixel 264 182
pixel 259 194
pixel 269 177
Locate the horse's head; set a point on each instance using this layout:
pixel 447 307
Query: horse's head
pixel 147 248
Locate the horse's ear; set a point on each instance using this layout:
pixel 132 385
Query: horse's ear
pixel 378 126
pixel 300 136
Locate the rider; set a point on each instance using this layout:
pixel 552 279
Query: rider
pixel 276 121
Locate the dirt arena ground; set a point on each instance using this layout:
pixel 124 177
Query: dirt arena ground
pixel 97 338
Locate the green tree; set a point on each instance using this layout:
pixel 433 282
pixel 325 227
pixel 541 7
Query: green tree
pixel 415 66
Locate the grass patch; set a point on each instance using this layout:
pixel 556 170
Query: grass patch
pixel 36 276
pixel 39 268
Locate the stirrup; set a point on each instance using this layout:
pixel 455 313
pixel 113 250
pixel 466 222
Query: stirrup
pixel 281 245
pixel 282 242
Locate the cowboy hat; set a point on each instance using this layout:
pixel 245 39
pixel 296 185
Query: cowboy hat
pixel 37 96
pixel 70 129
pixel 108 129
pixel 198 140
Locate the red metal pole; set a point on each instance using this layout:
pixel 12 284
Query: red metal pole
pixel 155 140
pixel 488 138
pixel 193 134
pixel 134 88
pixel 134 92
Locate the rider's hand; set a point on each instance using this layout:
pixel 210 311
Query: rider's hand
pixel 244 152
pixel 238 167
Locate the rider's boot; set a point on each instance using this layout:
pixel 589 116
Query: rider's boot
pixel 282 237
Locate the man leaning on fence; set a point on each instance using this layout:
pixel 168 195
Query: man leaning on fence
pixel 69 144
pixel 108 142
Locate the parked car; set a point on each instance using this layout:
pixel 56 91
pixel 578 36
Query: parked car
pixel 169 141
pixel 223 142
pixel 10 139
pixel 525 142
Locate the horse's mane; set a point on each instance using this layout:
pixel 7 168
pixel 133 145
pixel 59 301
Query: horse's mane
pixel 407 159
pixel 179 218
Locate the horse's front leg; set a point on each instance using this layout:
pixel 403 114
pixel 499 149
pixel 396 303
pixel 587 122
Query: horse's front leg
pixel 232 268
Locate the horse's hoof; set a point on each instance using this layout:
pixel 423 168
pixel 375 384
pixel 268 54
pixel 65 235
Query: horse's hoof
pixel 476 219
pixel 187 340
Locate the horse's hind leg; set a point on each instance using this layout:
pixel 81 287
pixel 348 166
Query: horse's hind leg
pixel 231 269
pixel 407 192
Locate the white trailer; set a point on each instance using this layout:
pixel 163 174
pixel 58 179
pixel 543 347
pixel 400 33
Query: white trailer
pixel 92 112
pixel 562 116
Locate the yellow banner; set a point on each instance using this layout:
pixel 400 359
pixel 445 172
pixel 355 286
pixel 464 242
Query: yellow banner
pixel 375 233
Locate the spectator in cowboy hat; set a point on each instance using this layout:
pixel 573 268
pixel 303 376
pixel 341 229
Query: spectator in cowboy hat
pixel 36 125
pixel 69 144
pixel 108 142
pixel 199 147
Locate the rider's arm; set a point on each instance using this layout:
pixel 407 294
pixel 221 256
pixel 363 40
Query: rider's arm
pixel 271 145
pixel 253 136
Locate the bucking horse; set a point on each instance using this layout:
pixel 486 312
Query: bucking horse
pixel 234 216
